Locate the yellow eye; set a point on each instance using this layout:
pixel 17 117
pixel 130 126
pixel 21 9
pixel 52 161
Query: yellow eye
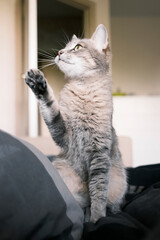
pixel 77 47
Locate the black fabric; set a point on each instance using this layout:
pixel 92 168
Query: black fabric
pixel 30 205
pixel 144 175
pixel 140 215
pixel 120 226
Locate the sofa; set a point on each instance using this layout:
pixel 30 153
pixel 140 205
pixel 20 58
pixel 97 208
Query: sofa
pixel 35 203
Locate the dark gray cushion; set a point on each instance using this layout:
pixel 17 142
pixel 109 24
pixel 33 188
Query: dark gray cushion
pixel 34 201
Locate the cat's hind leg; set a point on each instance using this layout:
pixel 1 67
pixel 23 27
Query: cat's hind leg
pixel 117 188
pixel 118 179
pixel 77 187
pixel 98 184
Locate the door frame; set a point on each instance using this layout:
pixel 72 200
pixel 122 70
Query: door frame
pixel 88 8
pixel 30 60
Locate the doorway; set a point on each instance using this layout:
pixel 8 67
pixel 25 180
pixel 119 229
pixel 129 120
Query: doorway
pixel 57 22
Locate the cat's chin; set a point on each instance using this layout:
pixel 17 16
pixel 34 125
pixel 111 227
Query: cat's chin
pixel 71 74
pixel 72 70
pixel 69 70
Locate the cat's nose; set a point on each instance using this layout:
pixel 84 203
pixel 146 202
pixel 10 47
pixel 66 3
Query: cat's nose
pixel 60 53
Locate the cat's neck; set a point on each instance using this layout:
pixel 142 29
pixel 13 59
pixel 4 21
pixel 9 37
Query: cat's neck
pixel 99 80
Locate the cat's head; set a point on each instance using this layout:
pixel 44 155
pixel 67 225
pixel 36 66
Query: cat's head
pixel 84 57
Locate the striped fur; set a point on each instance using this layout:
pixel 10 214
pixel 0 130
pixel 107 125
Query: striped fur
pixel 81 123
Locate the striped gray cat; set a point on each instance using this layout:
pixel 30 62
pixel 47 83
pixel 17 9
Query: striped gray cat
pixel 81 123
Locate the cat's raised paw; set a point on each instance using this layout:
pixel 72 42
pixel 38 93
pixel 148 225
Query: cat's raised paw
pixel 36 81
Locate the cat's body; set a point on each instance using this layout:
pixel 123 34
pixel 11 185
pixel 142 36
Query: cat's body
pixel 81 124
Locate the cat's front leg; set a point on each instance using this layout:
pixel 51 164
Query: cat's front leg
pixel 49 106
pixel 98 185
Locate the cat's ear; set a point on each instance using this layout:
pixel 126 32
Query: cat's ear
pixel 74 37
pixel 100 38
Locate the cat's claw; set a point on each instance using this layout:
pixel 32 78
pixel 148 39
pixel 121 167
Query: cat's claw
pixel 36 81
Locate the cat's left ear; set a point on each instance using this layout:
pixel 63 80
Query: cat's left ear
pixel 74 37
pixel 100 38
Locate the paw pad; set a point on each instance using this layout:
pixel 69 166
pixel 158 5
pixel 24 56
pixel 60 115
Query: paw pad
pixel 36 81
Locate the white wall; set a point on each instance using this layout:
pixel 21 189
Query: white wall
pixel 136 54
pixel 135 35
pixel 138 117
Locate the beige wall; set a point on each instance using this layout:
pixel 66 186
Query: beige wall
pixel 136 54
pixel 10 66
pixel 102 14
pixel 7 66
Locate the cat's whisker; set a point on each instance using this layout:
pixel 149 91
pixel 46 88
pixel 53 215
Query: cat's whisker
pixel 66 38
pixel 81 35
pixel 65 41
pixel 55 51
pixel 61 44
pixel 45 60
pixel 44 55
pixel 47 65
pixel 45 52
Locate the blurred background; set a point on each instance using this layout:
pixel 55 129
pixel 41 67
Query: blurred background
pixel 34 30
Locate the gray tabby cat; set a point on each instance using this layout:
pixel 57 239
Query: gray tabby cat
pixel 81 123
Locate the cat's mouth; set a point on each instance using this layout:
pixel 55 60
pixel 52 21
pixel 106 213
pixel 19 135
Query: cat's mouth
pixel 59 59
pixel 65 61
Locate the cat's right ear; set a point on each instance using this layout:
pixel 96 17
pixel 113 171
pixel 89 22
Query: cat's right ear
pixel 74 37
pixel 100 38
